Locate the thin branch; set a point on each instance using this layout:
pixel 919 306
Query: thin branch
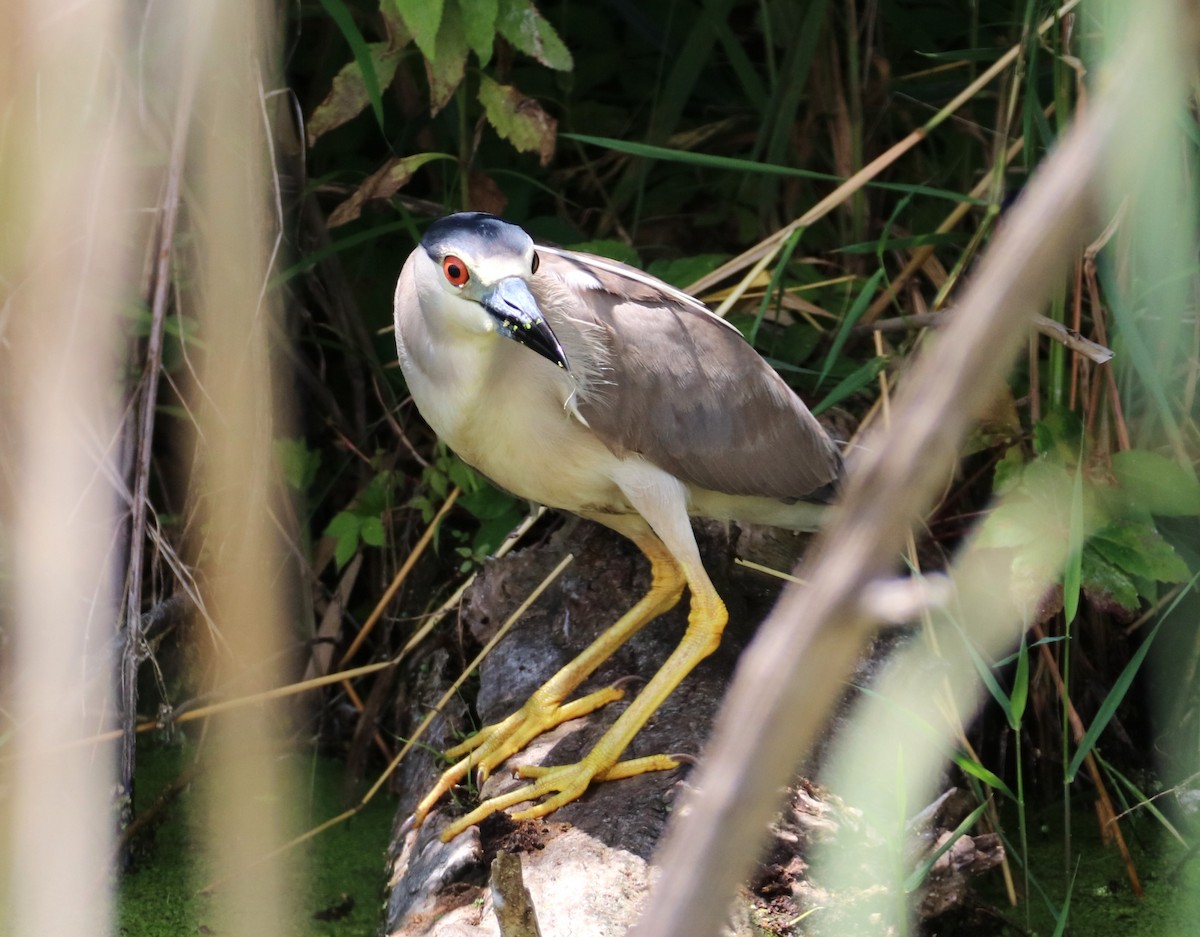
pixel 132 638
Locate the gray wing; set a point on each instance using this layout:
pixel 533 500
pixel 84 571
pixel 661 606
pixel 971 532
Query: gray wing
pixel 683 388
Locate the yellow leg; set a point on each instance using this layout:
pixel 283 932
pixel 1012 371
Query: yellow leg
pixel 547 708
pixel 562 784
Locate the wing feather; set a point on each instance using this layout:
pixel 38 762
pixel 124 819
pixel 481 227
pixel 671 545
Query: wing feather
pixel 681 387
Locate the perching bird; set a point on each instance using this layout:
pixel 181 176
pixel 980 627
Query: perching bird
pixel 587 385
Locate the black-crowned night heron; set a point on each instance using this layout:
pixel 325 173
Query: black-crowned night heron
pixel 587 385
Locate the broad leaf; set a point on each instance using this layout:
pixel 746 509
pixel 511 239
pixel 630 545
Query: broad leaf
pixel 1107 588
pixel 521 24
pixel 518 119
pixel 298 463
pixel 372 531
pixel 349 95
pixel 479 26
pixel 384 183
pixel 1140 550
pixel 1157 484
pixel 1008 470
pixel 423 19
pixel 341 15
pixel 446 69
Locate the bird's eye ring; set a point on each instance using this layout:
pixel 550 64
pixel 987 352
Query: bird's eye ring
pixel 455 270
pixel 536 263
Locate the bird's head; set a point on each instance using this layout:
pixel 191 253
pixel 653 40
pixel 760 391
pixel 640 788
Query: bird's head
pixel 475 270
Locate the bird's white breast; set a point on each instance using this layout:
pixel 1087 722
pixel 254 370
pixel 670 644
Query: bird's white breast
pixel 506 411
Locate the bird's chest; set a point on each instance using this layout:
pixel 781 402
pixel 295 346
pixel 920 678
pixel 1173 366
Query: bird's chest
pixel 504 411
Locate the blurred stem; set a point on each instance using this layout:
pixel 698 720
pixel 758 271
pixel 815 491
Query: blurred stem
pixel 1022 828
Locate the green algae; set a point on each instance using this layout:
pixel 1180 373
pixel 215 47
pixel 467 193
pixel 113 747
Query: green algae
pixel 339 875
pixel 1102 902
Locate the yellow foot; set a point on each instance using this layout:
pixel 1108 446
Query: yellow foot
pixel 492 745
pixel 560 785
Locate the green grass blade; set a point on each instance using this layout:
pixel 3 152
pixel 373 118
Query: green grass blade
pixel 342 16
pixel 918 875
pixel 860 306
pixel 989 679
pixel 1143 801
pixel 785 257
pixel 976 770
pixel 1119 689
pixel 1062 916
pixel 1020 690
pixel 1073 573
pixel 734 164
pixel 852 383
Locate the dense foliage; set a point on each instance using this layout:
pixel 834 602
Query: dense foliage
pixel 675 137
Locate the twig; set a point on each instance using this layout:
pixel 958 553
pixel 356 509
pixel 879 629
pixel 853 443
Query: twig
pixel 132 636
pixel 398 579
pixel 1096 352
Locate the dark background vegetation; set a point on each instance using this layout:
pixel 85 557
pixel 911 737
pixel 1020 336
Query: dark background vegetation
pixel 674 136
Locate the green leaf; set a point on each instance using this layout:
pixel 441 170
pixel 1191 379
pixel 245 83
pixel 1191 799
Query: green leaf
pixel 989 679
pixel 1109 707
pixel 463 476
pixel 1107 587
pixel 1008 470
pixel 1060 433
pixel 518 119
pixel 438 483
pixel 492 532
pixel 298 463
pixel 344 528
pixel 521 24
pixel 860 306
pixel 976 770
pixel 377 496
pixel 383 183
pixel 1020 689
pixel 1061 917
pixel 1139 549
pixel 372 531
pixel 344 549
pixel 851 383
pixel 914 880
pixel 1157 484
pixel 447 68
pixel 343 523
pixel 363 56
pixel 900 243
pixel 734 164
pixel 479 25
pixel 423 19
pixel 1071 574
pixel 351 91
pixel 488 503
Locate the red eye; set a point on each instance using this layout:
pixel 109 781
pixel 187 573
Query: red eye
pixel 455 270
